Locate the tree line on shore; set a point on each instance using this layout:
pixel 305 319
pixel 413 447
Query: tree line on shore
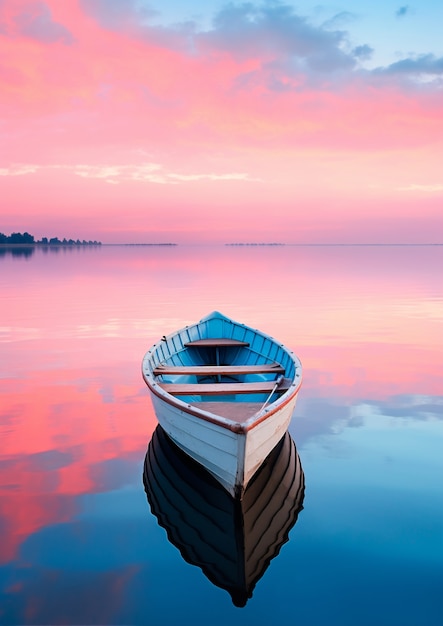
pixel 27 239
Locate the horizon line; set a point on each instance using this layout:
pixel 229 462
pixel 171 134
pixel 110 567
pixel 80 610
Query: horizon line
pixel 273 244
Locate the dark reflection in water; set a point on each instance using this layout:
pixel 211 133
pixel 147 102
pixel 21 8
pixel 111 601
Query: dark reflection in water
pixel 16 250
pixel 233 541
pixel 26 251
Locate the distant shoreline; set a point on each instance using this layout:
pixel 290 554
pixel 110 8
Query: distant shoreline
pixel 26 239
pixel 38 244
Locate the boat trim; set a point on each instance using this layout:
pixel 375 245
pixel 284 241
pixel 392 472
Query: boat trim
pixel 235 427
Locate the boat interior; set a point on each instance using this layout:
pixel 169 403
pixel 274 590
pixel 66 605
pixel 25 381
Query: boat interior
pixel 211 373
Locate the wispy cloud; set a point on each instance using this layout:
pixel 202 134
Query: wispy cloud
pixel 230 176
pixel 119 173
pixel 276 31
pixel 36 22
pixel 19 170
pixel 340 19
pixel 363 52
pixel 424 64
pixel 118 14
pixel 273 35
pixel 435 188
pixel 150 173
pixel 115 174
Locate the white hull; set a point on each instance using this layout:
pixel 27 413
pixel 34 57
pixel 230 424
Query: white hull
pixel 232 458
pixel 231 447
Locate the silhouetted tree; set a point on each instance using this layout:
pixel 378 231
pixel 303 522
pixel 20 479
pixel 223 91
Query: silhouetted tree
pixel 21 238
pixel 26 238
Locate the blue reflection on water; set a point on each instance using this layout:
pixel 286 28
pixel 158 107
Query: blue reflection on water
pixel 366 550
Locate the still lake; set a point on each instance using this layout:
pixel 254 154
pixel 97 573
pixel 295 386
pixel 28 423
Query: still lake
pixel 78 541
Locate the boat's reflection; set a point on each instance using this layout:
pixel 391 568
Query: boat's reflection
pixel 232 541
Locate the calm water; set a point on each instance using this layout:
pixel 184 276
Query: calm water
pixel 78 542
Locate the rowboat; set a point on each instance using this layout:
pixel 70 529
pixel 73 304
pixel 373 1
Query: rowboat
pixel 225 394
pixel 232 540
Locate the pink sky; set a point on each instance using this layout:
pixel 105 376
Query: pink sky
pixel 261 127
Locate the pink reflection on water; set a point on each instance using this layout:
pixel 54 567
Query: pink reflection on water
pixel 365 322
pixel 56 428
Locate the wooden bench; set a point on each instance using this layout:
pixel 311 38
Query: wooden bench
pixel 222 389
pixel 212 370
pixel 217 343
pixel 214 342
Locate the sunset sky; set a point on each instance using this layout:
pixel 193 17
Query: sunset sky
pixel 206 122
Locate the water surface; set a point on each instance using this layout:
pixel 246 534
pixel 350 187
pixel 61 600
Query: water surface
pixel 78 542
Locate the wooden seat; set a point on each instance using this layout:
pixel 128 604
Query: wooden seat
pixel 212 370
pixel 214 342
pixel 222 389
